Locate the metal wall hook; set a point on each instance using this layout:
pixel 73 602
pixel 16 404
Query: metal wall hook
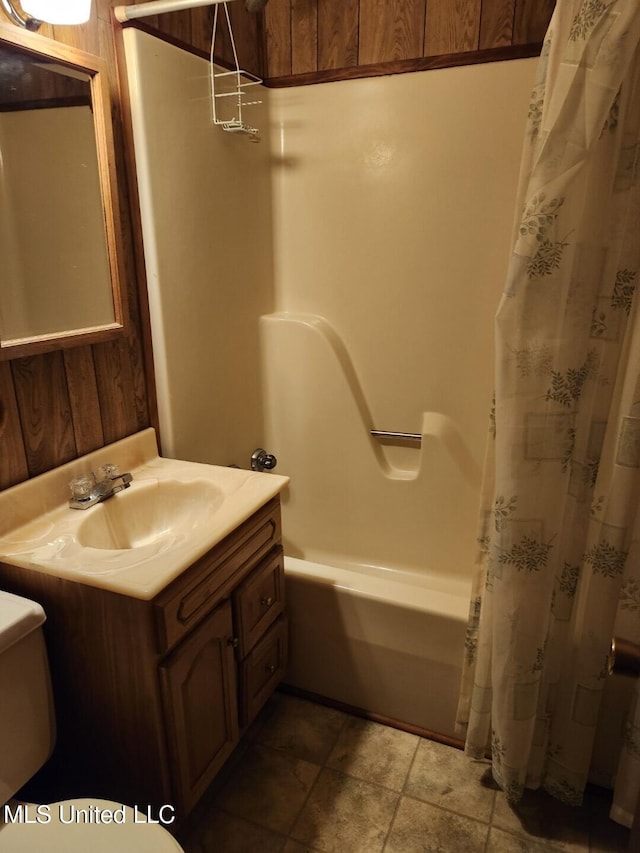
pixel 262 461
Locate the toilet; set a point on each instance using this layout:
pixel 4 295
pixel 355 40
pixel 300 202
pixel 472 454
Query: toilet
pixel 27 736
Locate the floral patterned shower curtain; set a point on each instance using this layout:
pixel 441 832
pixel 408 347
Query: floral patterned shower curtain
pixel 559 568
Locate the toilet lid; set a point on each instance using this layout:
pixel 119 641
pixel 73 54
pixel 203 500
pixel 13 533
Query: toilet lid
pixel 78 826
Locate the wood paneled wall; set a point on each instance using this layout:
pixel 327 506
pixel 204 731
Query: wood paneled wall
pixel 305 41
pixel 327 35
pixel 58 406
pixel 35 87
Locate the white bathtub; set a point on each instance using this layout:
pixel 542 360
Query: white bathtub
pixel 388 642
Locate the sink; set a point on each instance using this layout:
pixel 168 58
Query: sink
pixel 149 513
pixel 140 539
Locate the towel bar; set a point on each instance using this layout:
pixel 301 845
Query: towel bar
pixel 397 436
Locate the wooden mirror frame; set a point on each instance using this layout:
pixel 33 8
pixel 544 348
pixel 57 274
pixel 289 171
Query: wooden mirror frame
pixel 96 68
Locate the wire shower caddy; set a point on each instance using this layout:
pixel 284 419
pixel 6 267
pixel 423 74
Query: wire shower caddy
pixel 238 82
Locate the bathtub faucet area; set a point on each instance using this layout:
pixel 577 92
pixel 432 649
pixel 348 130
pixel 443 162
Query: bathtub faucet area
pixel 262 461
pixel 95 487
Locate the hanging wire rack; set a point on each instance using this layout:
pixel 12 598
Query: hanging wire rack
pixel 231 85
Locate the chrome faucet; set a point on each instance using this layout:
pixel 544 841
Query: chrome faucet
pixel 97 486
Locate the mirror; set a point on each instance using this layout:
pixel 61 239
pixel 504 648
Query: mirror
pixel 59 261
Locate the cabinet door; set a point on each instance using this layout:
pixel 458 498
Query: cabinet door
pixel 199 693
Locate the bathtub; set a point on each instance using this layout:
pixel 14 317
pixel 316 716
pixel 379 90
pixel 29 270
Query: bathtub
pixel 379 536
pixel 388 642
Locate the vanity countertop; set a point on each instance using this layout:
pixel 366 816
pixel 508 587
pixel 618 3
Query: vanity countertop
pixel 40 532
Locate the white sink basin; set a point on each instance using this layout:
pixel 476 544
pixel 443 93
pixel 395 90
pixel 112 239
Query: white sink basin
pixel 149 513
pixel 140 539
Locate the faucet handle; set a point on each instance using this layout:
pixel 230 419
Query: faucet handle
pixel 82 487
pixel 107 471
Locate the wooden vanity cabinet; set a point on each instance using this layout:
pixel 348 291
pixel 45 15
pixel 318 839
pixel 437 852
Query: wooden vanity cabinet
pixel 153 696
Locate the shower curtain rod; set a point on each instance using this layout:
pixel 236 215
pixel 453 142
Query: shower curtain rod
pixel 158 7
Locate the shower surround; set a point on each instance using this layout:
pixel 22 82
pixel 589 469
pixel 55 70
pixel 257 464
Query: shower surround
pixel 339 277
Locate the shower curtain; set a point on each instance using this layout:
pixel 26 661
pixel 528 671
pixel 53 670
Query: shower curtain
pixel 559 568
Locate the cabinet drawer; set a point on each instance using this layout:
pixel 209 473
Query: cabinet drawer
pixel 262 670
pixel 200 589
pixel 258 601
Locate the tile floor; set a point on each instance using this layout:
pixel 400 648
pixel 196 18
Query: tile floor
pixel 312 778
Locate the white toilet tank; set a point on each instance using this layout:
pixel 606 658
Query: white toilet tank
pixel 27 717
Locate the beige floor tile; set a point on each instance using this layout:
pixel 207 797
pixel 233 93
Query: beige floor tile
pixel 225 833
pixel 345 814
pixel 374 753
pixel 292 846
pixel 301 728
pixel 268 788
pixel 504 842
pixel 275 786
pixel 445 777
pixel 544 820
pixel 421 828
